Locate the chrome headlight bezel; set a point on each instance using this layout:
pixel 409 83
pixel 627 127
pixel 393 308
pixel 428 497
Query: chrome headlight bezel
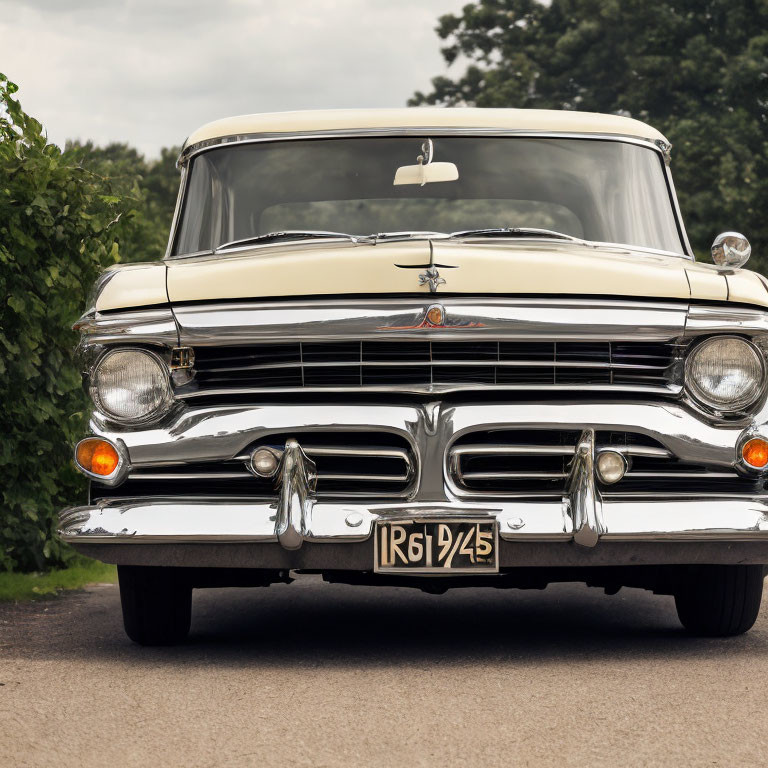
pixel 156 413
pixel 700 396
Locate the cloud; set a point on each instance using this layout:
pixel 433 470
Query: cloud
pixel 151 71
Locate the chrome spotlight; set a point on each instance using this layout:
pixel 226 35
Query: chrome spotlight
pixel 264 461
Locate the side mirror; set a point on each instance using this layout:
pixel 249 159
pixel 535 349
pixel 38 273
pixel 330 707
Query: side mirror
pixel 731 250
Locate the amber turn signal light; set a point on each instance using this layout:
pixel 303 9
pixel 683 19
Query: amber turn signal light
pixel 97 456
pixel 436 315
pixel 755 453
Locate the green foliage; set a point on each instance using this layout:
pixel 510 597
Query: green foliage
pixel 31 586
pixel 64 217
pixel 147 190
pixel 57 224
pixel 695 69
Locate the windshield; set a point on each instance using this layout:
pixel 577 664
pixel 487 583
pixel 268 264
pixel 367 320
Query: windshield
pixel 599 190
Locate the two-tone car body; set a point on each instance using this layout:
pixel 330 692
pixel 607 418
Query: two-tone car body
pixel 433 347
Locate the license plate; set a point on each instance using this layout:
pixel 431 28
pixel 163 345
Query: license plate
pixel 436 546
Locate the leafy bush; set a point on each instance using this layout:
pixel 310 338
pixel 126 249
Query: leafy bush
pixel 58 224
pixel 149 187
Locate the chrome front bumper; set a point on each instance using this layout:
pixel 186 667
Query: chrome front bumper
pixel 159 520
pixel 582 515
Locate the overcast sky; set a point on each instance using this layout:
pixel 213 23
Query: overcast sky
pixel 151 71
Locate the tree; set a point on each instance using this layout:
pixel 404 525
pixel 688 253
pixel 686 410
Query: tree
pixel 58 223
pixel 147 188
pixel 64 217
pixel 695 69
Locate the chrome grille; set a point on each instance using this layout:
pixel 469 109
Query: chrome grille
pixel 378 465
pixel 432 366
pixel 524 462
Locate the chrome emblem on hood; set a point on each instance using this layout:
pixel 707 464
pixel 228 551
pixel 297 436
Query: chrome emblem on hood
pixel 435 318
pixel 431 278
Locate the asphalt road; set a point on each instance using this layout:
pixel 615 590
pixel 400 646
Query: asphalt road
pixel 311 674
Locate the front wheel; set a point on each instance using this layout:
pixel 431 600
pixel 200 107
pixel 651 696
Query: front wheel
pixel 157 604
pixel 719 600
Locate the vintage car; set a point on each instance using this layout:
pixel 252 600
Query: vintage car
pixel 434 348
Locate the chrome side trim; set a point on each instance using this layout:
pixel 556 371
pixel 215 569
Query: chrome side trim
pixel 730 319
pixel 134 326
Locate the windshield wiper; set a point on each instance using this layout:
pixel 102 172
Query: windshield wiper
pixel 515 232
pixel 298 234
pixel 289 234
pixel 408 234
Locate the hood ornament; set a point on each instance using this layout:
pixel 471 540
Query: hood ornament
pixel 431 278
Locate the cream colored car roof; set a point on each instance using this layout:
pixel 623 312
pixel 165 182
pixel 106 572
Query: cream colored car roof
pixel 545 120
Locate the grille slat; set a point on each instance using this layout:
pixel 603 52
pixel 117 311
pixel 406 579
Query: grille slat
pixel 553 450
pixel 349 465
pixel 514 450
pixel 427 364
pixel 367 478
pixel 469 476
pixel 536 462
pixel 150 475
pixel 440 363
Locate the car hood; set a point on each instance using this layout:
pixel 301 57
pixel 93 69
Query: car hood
pixel 503 268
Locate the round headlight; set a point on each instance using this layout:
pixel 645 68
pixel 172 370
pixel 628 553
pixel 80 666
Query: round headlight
pixel 130 385
pixel 725 373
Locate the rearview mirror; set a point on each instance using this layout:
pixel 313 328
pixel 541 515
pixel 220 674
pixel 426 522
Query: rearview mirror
pixel 426 173
pixel 731 250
